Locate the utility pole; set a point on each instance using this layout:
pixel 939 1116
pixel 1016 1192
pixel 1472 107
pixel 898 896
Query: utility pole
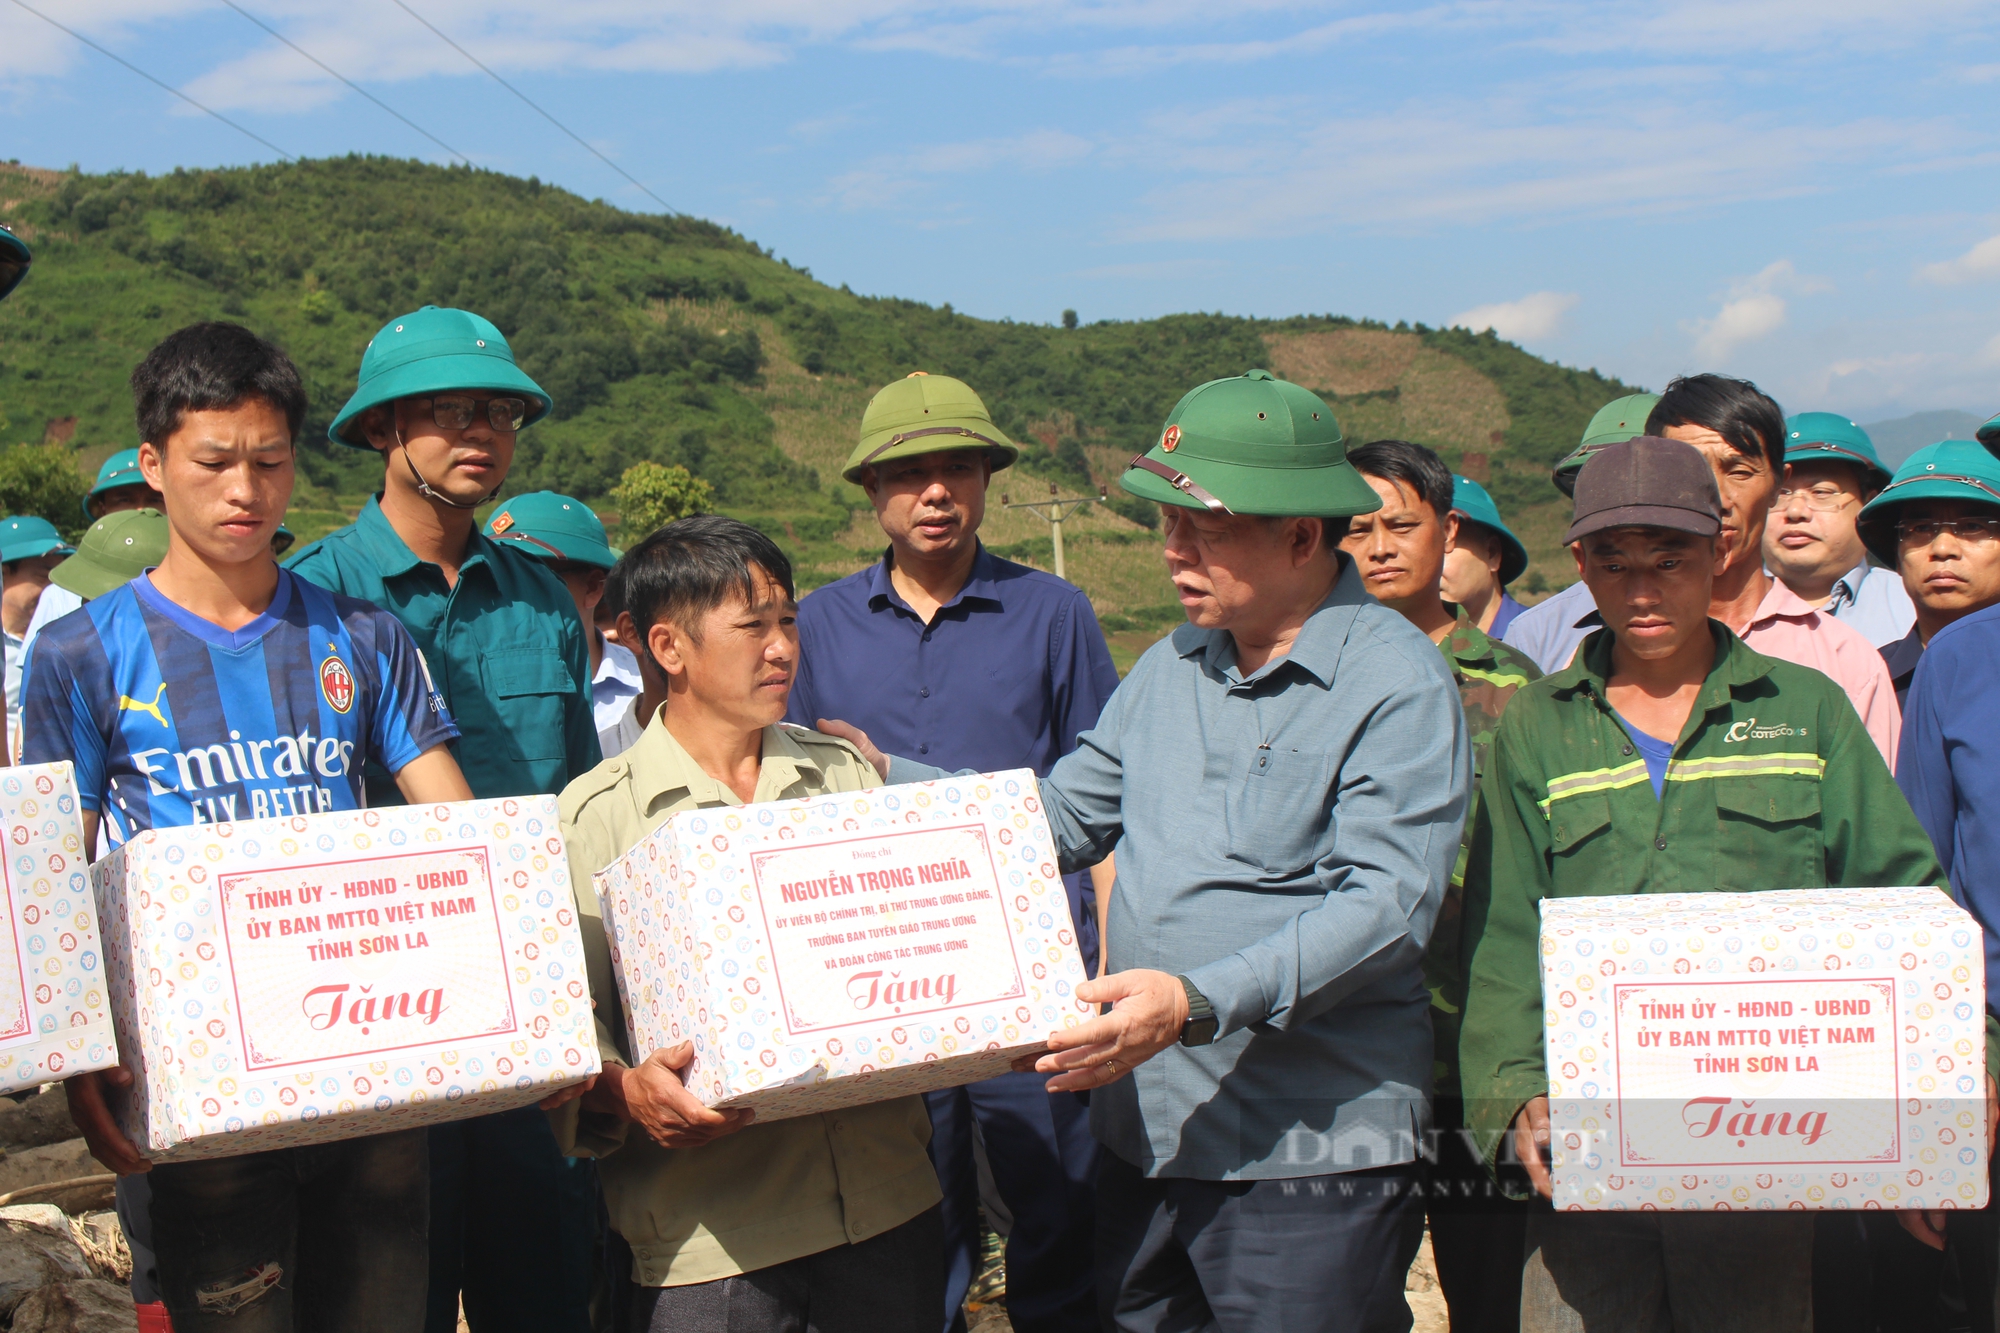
pixel 1057 509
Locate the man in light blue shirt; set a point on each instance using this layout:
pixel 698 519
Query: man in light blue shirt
pixel 1300 770
pixel 1810 541
pixel 1550 630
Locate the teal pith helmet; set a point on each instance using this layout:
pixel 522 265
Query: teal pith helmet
pixel 1828 437
pixel 1470 501
pixel 1947 470
pixel 24 536
pixel 554 528
pixel 119 471
pixel 435 350
pixel 1617 421
pixel 14 260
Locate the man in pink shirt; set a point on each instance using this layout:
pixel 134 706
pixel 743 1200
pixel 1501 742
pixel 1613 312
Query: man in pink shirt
pixel 1741 432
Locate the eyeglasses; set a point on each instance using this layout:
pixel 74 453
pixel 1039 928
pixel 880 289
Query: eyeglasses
pixel 1971 531
pixel 453 411
pixel 1821 499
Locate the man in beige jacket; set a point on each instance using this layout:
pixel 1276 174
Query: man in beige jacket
pixel 732 1224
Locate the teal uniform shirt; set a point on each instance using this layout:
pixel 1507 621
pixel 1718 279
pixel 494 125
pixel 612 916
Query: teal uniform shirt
pixel 504 646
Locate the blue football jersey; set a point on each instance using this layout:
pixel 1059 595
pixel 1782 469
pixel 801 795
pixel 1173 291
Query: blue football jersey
pixel 173 720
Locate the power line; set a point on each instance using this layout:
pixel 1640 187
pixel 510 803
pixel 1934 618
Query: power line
pixel 150 79
pixel 524 97
pixel 344 79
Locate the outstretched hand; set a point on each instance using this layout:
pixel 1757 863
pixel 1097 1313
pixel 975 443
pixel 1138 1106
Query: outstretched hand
pixel 1148 1011
pixel 858 738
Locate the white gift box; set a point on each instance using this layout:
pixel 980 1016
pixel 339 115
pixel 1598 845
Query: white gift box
pixel 837 950
pixel 287 981
pixel 55 1015
pixel 1810 1048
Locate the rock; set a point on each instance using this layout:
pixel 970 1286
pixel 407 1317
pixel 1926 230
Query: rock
pixel 1421 1290
pixel 46 1164
pixel 102 1241
pixel 34 1121
pixel 36 1248
pixel 86 1305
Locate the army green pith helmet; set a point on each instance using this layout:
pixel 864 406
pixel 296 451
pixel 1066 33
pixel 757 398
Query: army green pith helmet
pixel 117 549
pixel 1617 421
pixel 922 414
pixel 1254 444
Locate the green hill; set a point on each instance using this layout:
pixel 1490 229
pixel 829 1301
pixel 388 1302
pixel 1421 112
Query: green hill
pixel 675 340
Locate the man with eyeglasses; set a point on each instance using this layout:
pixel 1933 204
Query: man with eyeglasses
pixel 442 400
pixel 1939 521
pixel 1811 543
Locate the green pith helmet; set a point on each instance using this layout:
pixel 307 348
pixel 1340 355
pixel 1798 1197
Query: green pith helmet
pixel 553 527
pixel 1828 437
pixel 14 260
pixel 1254 444
pixel 1617 421
pixel 1989 434
pixel 1470 500
pixel 119 471
pixel 923 413
pixel 24 536
pixel 118 548
pixel 1947 470
pixel 435 350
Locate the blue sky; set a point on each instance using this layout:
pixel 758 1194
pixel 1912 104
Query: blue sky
pixel 1806 192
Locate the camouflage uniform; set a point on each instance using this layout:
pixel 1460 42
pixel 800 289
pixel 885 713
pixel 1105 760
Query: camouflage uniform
pixel 1488 672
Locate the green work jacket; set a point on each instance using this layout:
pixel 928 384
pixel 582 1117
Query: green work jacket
pixel 504 646
pixel 1487 672
pixel 1773 785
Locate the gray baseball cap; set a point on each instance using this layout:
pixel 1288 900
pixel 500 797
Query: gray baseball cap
pixel 1646 482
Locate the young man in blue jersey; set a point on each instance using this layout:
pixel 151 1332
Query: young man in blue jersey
pixel 218 687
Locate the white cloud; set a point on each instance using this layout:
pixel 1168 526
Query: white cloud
pixel 891 177
pixel 1981 261
pixel 1754 309
pixel 1537 315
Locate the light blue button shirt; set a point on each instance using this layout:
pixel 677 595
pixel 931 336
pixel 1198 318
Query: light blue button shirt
pixel 1284 843
pixel 1551 629
pixel 1874 602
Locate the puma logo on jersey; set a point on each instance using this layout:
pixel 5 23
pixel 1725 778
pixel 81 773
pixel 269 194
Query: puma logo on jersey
pixel 127 703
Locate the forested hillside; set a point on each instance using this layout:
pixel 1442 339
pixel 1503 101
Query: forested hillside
pixel 675 340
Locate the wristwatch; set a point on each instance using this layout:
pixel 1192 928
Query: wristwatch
pixel 1199 1030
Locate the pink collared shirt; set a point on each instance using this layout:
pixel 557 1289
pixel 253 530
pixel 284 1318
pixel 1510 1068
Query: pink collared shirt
pixel 1788 628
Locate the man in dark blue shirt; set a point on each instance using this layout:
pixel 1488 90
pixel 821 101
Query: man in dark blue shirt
pixel 942 650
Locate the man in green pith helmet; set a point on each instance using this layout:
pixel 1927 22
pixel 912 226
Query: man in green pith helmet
pixel 442 400
pixel 563 533
pixel 1550 630
pixel 1299 773
pixel 943 650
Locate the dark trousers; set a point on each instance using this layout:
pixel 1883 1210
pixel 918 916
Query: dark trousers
pixel 322 1239
pixel 1044 1164
pixel 1668 1272
pixel 1871 1276
pixel 512 1225
pixel 1312 1254
pixel 1478 1234
pixel 885 1284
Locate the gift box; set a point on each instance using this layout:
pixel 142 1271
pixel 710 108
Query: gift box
pixel 299 980
pixel 1812 1048
pixel 837 950
pixel 55 1015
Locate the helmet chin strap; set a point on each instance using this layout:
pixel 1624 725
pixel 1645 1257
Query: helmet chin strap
pixel 430 492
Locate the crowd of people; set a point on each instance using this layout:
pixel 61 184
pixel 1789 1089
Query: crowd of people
pixel 1353 775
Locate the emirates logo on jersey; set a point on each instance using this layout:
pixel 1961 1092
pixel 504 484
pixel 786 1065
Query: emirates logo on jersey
pixel 336 682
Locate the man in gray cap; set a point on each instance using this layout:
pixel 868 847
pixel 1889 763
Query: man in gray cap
pixel 1300 767
pixel 1598 785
